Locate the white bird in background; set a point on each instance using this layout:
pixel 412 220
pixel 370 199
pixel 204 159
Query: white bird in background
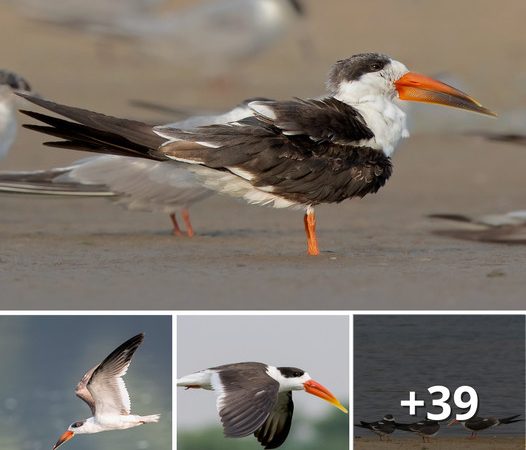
pixel 207 35
pixel 137 184
pixel 256 398
pixel 9 82
pixel 103 389
pixel 213 34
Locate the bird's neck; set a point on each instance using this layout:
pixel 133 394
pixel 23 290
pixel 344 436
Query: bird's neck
pixel 89 426
pixel 384 117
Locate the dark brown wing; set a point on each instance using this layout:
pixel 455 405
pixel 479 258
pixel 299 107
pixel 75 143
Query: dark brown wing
pixel 247 395
pixel 481 423
pixel 294 167
pixel 325 119
pixel 275 430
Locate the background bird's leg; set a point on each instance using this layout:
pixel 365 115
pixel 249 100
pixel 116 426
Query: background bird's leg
pixel 186 217
pixel 310 230
pixel 176 230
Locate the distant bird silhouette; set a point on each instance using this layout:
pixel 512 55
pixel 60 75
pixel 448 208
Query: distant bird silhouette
pixel 382 428
pixel 477 424
pixel 425 428
pixel 506 228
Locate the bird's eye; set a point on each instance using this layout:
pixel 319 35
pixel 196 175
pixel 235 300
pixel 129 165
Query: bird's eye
pixel 375 67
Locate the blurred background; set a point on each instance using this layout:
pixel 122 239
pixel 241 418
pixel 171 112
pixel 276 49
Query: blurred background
pixel 317 344
pixel 43 359
pixel 195 56
pixel 397 354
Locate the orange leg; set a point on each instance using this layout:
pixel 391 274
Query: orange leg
pixel 176 230
pixel 310 230
pixel 186 217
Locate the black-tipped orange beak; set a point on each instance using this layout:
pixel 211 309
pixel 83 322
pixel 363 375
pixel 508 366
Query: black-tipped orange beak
pixel 419 88
pixel 64 438
pixel 315 388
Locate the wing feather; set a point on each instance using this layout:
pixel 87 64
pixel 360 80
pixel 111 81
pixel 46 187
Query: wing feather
pixel 106 385
pixel 275 430
pixel 246 398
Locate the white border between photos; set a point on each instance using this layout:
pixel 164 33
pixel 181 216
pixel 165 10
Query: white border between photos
pixel 346 313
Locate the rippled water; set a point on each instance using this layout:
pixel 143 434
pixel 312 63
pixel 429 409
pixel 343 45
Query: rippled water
pixel 397 354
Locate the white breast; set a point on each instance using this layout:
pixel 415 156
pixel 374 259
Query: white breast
pixel 385 119
pixel 7 127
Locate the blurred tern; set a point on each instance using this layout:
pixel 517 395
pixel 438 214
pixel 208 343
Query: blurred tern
pixel 103 389
pixel 505 228
pixel 425 428
pixel 476 423
pixel 289 154
pixel 212 34
pixel 9 82
pixel 382 428
pixel 138 184
pixel 255 398
pixel 512 138
pixel 93 16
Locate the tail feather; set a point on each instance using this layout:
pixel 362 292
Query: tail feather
pixel 154 418
pixel 95 132
pixel 453 217
pixel 44 182
pixel 511 419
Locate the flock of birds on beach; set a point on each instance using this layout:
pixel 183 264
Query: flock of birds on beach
pixel 427 428
pixel 285 154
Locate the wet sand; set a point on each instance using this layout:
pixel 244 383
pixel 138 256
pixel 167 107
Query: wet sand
pixel 379 252
pixel 442 443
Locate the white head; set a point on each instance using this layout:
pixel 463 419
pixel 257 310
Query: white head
pixel 79 427
pixel 294 379
pixel 10 81
pixel 366 76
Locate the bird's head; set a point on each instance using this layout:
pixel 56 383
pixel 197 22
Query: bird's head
pixel 13 81
pixel 388 418
pixel 297 6
pixel 367 76
pixel 294 379
pixel 74 428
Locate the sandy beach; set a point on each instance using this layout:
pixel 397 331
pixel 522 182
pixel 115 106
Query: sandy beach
pixel 442 443
pixel 381 252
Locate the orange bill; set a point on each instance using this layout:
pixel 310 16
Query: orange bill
pixel 419 88
pixel 64 438
pixel 315 388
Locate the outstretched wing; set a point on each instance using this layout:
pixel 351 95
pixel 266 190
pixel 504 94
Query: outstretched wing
pixel 247 396
pixel 106 385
